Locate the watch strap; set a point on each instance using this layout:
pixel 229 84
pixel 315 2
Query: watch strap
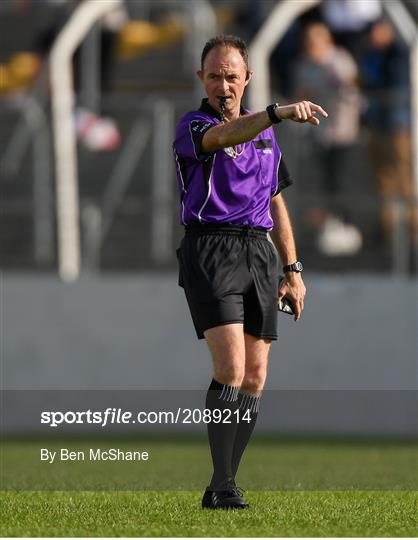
pixel 274 119
pixel 294 267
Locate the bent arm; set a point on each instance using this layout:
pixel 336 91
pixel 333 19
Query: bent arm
pixel 237 131
pixel 246 127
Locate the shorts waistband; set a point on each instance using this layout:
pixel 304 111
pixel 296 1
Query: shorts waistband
pixel 224 228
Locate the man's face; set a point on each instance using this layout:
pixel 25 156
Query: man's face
pixel 224 74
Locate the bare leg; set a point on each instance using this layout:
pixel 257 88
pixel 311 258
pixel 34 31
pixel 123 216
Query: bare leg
pixel 256 362
pixel 227 346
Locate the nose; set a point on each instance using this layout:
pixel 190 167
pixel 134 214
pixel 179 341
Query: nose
pixel 224 86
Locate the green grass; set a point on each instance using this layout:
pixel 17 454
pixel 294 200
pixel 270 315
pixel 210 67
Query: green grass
pixel 392 514
pixel 295 488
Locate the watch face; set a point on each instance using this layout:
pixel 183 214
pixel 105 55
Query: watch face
pixel 298 266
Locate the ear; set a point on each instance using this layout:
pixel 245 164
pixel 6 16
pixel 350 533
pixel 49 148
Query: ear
pixel 248 77
pixel 200 74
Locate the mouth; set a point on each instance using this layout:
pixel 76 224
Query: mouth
pixel 223 99
pixel 223 102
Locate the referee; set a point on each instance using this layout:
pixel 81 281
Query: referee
pixel 231 173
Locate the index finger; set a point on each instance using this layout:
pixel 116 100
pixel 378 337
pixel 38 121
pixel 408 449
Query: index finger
pixel 318 108
pixel 298 310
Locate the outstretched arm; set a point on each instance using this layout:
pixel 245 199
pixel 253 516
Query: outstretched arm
pixel 246 127
pixel 282 236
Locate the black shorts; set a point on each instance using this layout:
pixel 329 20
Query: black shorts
pixel 229 275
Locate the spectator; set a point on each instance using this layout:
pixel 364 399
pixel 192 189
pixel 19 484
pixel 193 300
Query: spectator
pixel 385 74
pixel 328 74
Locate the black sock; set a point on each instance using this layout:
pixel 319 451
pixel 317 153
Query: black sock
pixel 246 402
pixel 222 434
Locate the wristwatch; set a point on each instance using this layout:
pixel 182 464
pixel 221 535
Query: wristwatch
pixel 274 119
pixel 294 267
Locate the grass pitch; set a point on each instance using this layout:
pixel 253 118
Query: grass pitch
pixel 149 513
pixel 294 489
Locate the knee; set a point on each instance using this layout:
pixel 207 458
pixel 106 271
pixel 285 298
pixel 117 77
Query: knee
pixel 231 373
pixel 254 379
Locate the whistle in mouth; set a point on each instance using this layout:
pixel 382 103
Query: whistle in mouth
pixel 222 101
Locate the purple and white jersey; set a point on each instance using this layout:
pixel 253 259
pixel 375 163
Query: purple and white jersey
pixel 231 185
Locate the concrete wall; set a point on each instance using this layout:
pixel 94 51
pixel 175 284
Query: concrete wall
pixel 350 364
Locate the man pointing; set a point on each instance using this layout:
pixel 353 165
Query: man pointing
pixel 231 173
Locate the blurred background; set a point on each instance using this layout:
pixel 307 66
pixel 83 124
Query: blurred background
pixel 90 92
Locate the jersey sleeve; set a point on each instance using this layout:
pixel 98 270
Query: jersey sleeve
pixel 189 136
pixel 282 179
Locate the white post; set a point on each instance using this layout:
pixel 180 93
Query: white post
pixel 263 44
pixel 63 49
pixel 414 109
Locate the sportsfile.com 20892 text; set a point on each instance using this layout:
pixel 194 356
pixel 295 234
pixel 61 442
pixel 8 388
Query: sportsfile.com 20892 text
pixel 112 416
